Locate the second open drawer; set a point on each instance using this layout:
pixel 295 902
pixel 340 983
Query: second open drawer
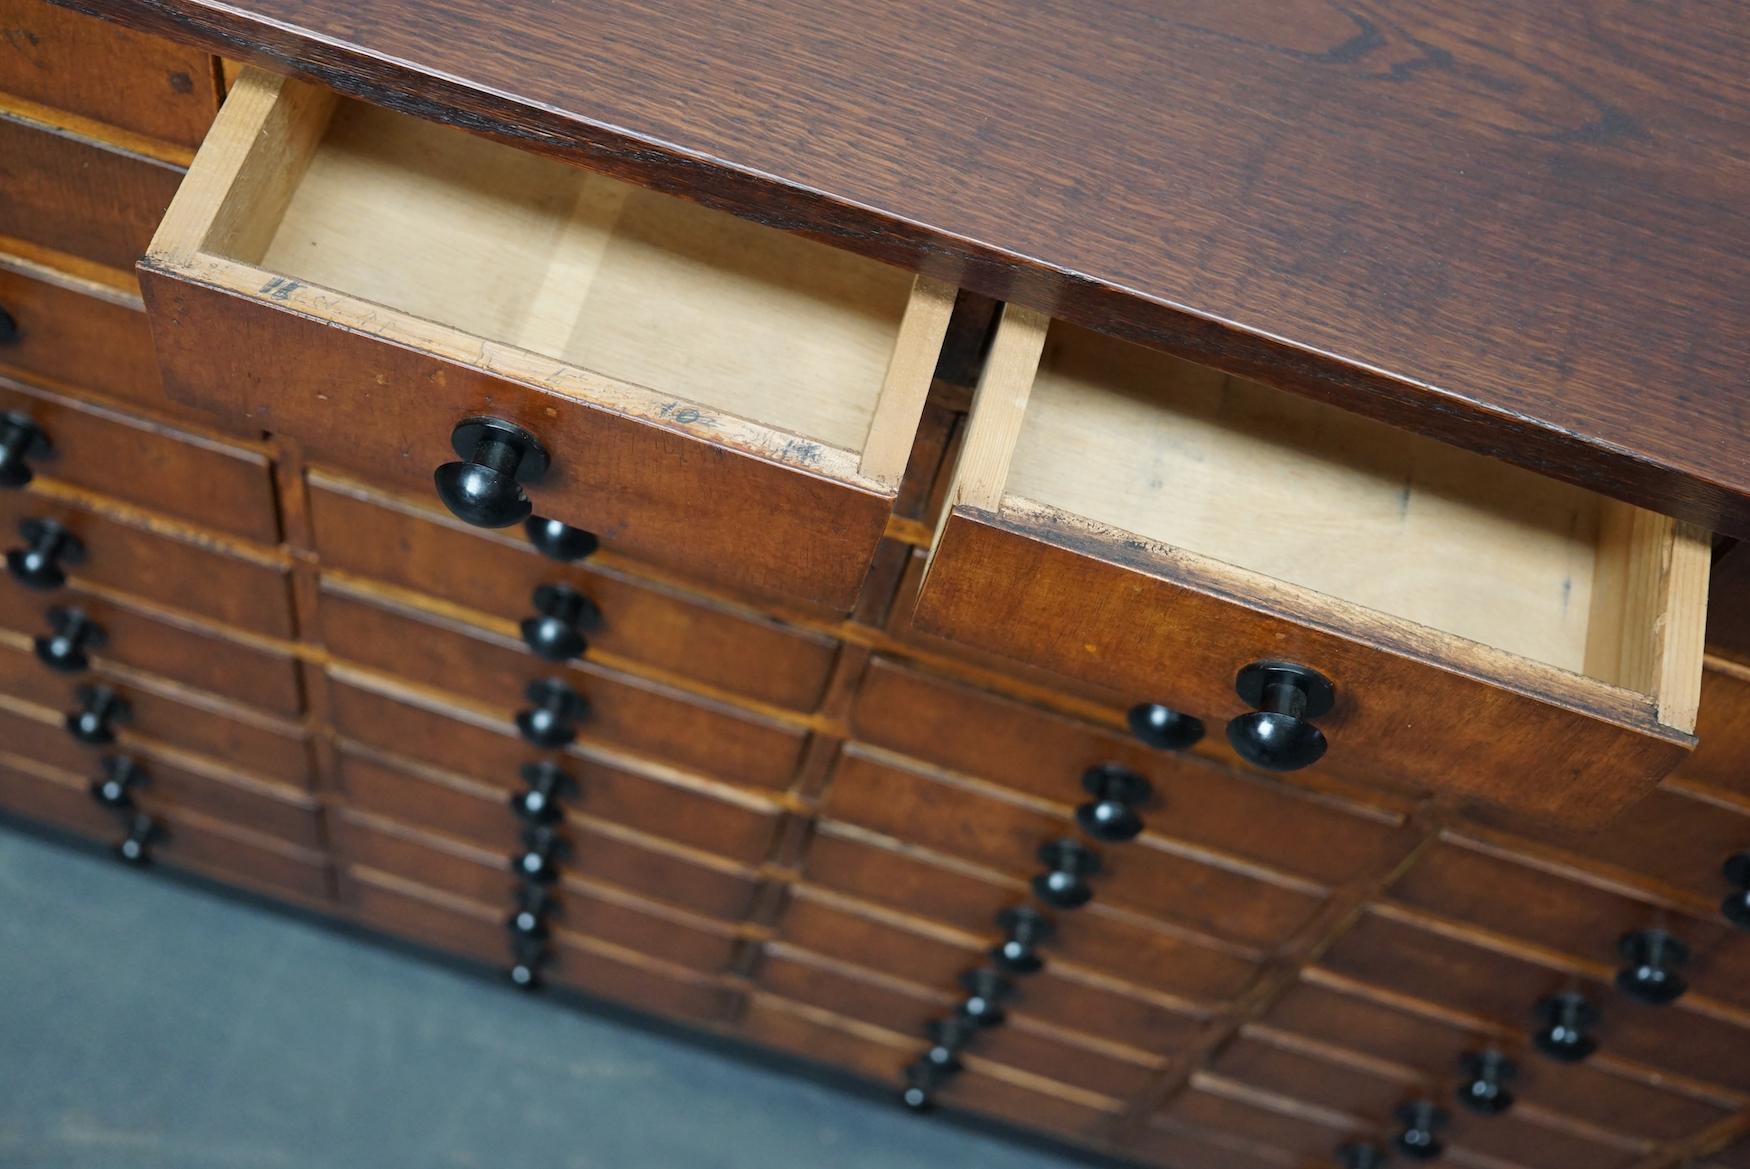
pixel 714 396
pixel 1429 616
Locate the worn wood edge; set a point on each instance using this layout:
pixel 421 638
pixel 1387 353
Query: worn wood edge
pixel 95 132
pixel 138 418
pixel 123 294
pixel 899 406
pixel 117 282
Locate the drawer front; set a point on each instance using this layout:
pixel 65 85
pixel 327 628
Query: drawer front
pixel 1401 957
pixel 624 711
pixel 216 485
pixel 102 71
pixel 96 202
pixel 1430 1047
pixel 169 782
pixel 480 816
pixel 1721 761
pixel 157 711
pixel 184 840
pixel 188 654
pixel 131 555
pixel 1041 753
pixel 378 536
pixel 991 827
pixel 477 931
pixel 82 337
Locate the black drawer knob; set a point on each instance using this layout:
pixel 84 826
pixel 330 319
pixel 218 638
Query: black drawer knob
pixel 1651 961
pixel 9 333
pixel 922 1078
pixel 948 1038
pixel 1111 814
pixel 1163 727
pixel 527 956
pixel 1422 1120
pixel 1068 865
pixel 552 721
pixel 559 540
pixel 20 441
pixel 548 784
pixel 1024 928
pixel 1486 1076
pixel 986 991
pixel 136 847
pixel 49 548
pixel 97 710
pixel 1279 734
pixel 1360 1155
pixel 1736 905
pixel 485 489
pixel 118 777
pixel 543 849
pixel 1567 1018
pixel 562 614
pixel 70 634
pixel 534 905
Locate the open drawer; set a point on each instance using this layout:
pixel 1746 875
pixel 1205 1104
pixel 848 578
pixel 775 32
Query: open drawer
pixel 711 395
pixel 1155 527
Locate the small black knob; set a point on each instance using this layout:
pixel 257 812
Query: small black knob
pixel 562 613
pixel 1163 727
pixel 1068 864
pixel 1278 735
pixel 114 787
pixel 1736 905
pixel 1422 1121
pixel 552 721
pixel 1024 928
pixel 543 848
pixel 92 721
pixel 1360 1155
pixel 136 847
pixel 1566 1018
pixel 8 328
pixel 528 955
pixel 1651 960
pixel 922 1078
pixel 559 540
pixel 20 441
pixel 985 992
pixel 547 784
pixel 48 549
pixel 70 634
pixel 1487 1074
pixel 948 1038
pixel 485 489
pixel 534 904
pixel 1111 815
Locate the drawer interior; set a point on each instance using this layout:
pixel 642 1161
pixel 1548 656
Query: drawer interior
pixel 1131 447
pixel 506 260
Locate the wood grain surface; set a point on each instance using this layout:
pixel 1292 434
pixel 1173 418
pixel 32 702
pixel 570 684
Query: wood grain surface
pixel 1515 227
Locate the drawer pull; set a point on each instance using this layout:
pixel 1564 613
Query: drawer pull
pixel 115 787
pixel 552 721
pixel 1651 961
pixel 1163 727
pixel 1111 814
pixel 94 718
pixel 1422 1121
pixel 1566 1018
pixel 558 540
pixel 1024 928
pixel 8 328
pixel 1068 865
pixel 70 634
pixel 985 991
pixel 538 862
pixel 136 847
pixel 485 489
pixel 1487 1074
pixel 1278 735
pixel 529 919
pixel 1360 1155
pixel 527 956
pixel 922 1078
pixel 548 783
pixel 562 613
pixel 1736 906
pixel 20 441
pixel 948 1038
pixel 49 548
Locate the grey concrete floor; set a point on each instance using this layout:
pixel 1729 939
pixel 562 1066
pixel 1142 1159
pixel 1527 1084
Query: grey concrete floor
pixel 146 1024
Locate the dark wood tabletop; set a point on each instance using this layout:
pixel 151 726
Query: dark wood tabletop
pixel 1520 226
